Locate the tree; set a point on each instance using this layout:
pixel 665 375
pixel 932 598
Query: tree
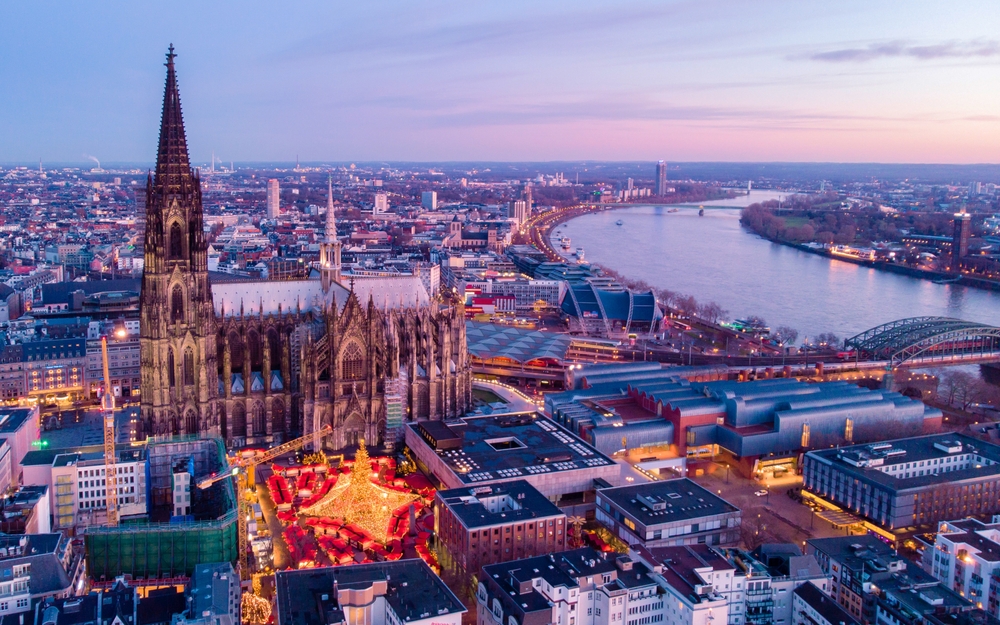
pixel 753 523
pixel 711 312
pixel 686 304
pixel 828 339
pixel 956 385
pixel 786 335
pixel 755 321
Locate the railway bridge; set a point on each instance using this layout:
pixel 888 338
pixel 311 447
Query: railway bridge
pixel 928 341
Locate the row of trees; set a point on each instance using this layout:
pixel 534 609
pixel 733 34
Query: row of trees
pixel 712 312
pixel 842 227
pixel 963 390
pixel 685 305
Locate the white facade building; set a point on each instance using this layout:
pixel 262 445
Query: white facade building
pixel 381 204
pixel 78 487
pixel 273 199
pixel 966 558
pixel 429 200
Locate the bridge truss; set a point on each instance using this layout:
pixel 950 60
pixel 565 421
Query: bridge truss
pixel 928 339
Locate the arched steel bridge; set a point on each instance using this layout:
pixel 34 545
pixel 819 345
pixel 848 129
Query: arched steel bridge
pixel 928 341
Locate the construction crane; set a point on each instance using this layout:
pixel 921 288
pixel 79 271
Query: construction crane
pixel 108 416
pixel 242 469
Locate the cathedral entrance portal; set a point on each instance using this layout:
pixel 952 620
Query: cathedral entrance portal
pixel 354 430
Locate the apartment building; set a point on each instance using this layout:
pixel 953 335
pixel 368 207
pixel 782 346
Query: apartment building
pixel 577 587
pixel 966 558
pixel 497 523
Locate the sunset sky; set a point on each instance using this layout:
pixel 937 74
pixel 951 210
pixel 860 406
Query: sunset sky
pixel 781 80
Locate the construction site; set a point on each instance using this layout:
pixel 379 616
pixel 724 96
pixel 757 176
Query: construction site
pixel 163 550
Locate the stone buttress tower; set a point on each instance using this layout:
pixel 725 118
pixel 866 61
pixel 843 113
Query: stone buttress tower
pixel 177 323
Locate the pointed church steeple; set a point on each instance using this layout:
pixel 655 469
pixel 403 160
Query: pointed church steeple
pixel 172 164
pixel 331 216
pixel 177 316
pixel 329 250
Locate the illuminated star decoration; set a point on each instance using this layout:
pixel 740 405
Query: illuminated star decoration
pixel 358 500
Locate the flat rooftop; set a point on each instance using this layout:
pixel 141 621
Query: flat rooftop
pixel 497 504
pixel 308 596
pixel 857 552
pixel 563 569
pixel 667 501
pixel 12 419
pixel 482 449
pixel 823 604
pixel 948 457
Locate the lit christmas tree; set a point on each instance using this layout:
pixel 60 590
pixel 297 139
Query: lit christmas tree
pixel 358 500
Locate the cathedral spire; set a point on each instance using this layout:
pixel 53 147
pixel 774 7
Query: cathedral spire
pixel 329 249
pixel 173 168
pixel 331 217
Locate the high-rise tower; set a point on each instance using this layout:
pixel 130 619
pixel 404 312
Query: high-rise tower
pixel 960 240
pixel 329 249
pixel 177 323
pixel 661 178
pixel 273 199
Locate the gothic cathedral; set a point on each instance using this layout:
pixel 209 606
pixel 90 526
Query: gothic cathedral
pixel 258 362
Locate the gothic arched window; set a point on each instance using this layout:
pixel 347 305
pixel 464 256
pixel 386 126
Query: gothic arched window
pixel 256 355
pixel 235 351
pixel 188 366
pixel 177 305
pixel 171 376
pixel 275 346
pixel 353 363
pixel 176 241
pixel 239 420
pixel 277 416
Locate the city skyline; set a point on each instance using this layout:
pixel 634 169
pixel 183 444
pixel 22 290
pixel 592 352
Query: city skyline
pixel 679 81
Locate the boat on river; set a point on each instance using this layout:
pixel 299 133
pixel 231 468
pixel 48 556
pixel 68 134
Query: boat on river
pixel 619 223
pixel 947 280
pixel 565 243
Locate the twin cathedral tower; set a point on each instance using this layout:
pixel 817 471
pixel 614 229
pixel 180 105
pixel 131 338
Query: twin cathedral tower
pixel 258 361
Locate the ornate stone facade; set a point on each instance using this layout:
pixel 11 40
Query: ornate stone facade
pixel 258 362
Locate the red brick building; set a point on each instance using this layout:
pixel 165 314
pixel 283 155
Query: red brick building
pixel 483 525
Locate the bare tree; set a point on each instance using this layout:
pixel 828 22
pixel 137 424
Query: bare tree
pixel 756 321
pixel 687 304
pixel 711 312
pixel 828 339
pixel 786 335
pixel 753 522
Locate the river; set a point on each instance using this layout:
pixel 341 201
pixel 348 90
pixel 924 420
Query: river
pixel 714 259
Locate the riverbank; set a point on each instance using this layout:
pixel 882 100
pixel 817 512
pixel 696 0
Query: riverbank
pixel 938 277
pixel 717 260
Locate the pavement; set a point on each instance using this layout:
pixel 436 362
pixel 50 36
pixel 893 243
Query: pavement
pixel 280 556
pixel 782 518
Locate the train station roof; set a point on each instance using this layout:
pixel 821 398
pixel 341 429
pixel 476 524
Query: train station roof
pixel 489 340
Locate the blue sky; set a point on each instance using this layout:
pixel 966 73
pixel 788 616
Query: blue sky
pixel 777 80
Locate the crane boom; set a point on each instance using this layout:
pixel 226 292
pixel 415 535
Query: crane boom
pixel 243 484
pixel 110 457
